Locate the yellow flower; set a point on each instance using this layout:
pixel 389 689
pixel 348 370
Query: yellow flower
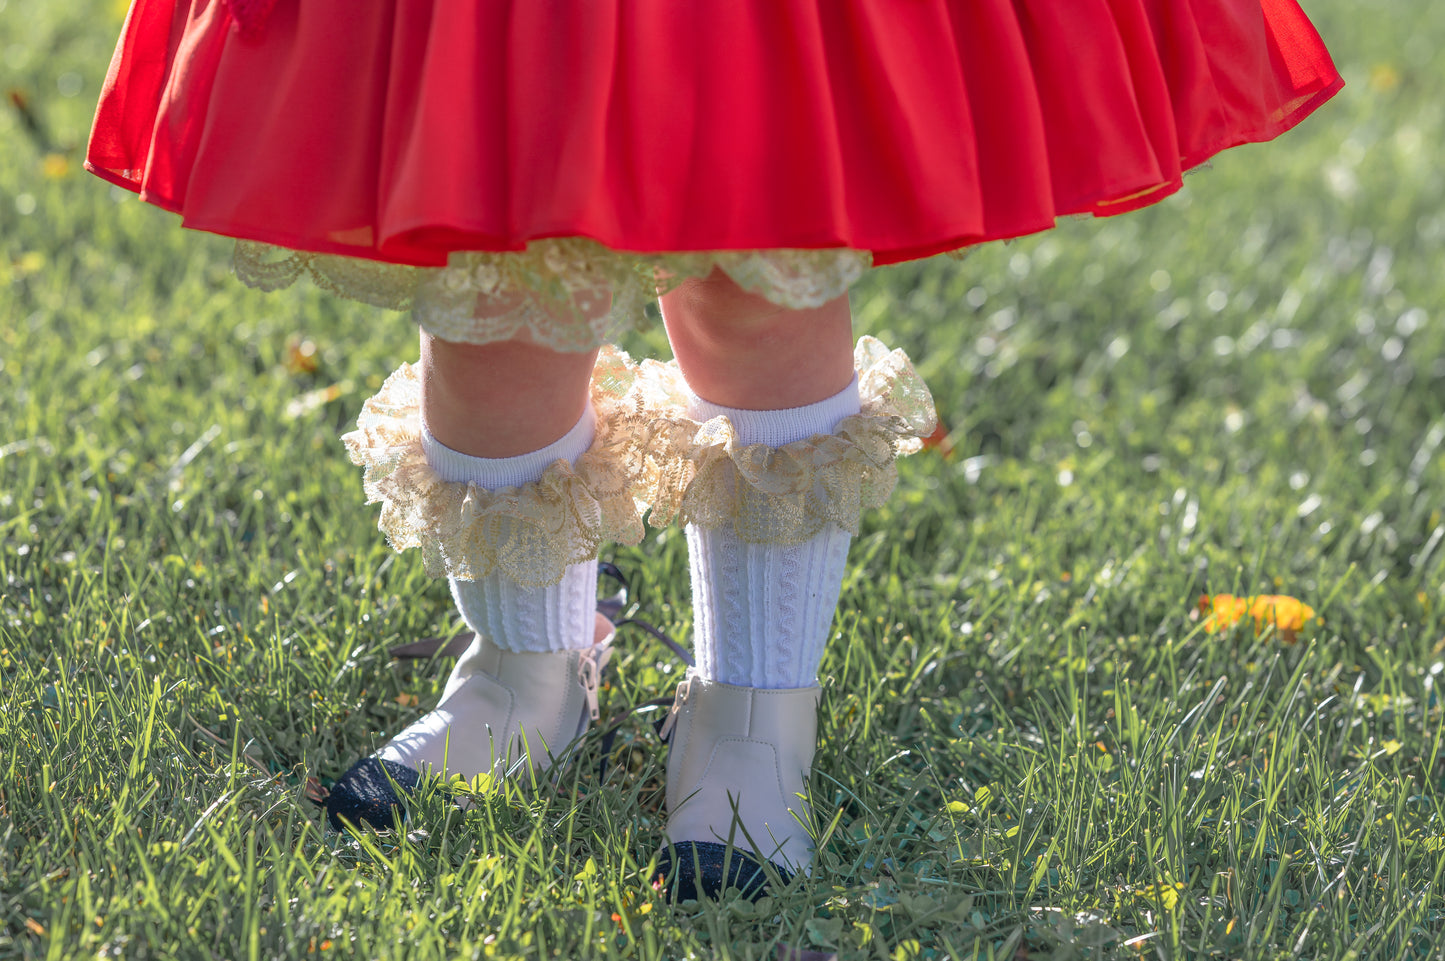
pixel 1384 77
pixel 1287 615
pixel 55 166
pixel 1222 611
pixel 1164 895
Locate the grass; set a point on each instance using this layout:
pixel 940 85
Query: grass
pixel 1030 746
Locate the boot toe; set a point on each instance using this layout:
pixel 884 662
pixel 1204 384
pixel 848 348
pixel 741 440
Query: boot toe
pixel 694 870
pixel 367 794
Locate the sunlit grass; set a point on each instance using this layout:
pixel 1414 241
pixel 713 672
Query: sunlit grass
pixel 1032 743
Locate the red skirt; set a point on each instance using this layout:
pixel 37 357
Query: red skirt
pixel 404 131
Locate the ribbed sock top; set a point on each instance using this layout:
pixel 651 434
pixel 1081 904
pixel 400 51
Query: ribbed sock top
pixel 494 473
pixel 777 428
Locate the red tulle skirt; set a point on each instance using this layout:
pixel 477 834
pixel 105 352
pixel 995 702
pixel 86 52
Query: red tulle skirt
pixel 406 130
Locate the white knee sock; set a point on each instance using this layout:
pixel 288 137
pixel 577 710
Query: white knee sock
pixel 554 618
pixel 762 612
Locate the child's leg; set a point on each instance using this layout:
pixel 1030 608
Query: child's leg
pixel 739 350
pixel 491 418
pixel 498 415
pixel 745 724
pixel 503 399
pixel 762 611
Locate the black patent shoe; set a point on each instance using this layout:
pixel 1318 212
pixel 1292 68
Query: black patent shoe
pixel 698 870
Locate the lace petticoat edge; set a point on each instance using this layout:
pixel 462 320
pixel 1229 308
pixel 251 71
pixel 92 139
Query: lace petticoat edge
pixel 565 293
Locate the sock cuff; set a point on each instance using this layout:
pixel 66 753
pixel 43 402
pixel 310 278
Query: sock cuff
pixel 777 428
pixel 495 473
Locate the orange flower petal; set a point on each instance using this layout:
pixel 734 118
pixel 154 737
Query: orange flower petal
pixel 1287 615
pixel 939 440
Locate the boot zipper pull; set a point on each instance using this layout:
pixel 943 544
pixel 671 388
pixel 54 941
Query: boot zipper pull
pixel 677 702
pixel 588 673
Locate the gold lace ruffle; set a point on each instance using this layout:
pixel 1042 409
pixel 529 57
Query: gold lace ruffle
pixel 529 533
pixel 568 293
pixel 697 473
pixel 646 452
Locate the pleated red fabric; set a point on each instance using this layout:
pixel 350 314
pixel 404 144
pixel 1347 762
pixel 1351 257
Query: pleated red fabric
pixel 404 130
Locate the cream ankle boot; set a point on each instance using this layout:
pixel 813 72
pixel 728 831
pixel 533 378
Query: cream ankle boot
pixel 537 705
pixel 737 774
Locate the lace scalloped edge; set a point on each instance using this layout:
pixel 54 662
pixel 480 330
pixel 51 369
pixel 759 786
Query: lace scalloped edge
pixel 567 293
pixel 529 533
pixel 701 475
pixel 647 453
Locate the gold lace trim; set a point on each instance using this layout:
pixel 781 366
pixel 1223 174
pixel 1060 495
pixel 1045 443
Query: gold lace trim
pixel 529 533
pixel 646 452
pixel 697 473
pixel 568 293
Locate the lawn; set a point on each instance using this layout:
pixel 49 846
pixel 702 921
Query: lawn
pixel 1033 742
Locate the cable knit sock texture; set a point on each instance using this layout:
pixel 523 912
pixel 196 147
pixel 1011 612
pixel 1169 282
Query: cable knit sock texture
pixel 554 618
pixel 762 612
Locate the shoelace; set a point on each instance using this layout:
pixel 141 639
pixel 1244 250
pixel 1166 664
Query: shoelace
pixel 614 724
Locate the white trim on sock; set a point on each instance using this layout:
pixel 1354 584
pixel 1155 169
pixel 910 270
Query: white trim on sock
pixel 554 618
pixel 777 428
pixel 494 473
